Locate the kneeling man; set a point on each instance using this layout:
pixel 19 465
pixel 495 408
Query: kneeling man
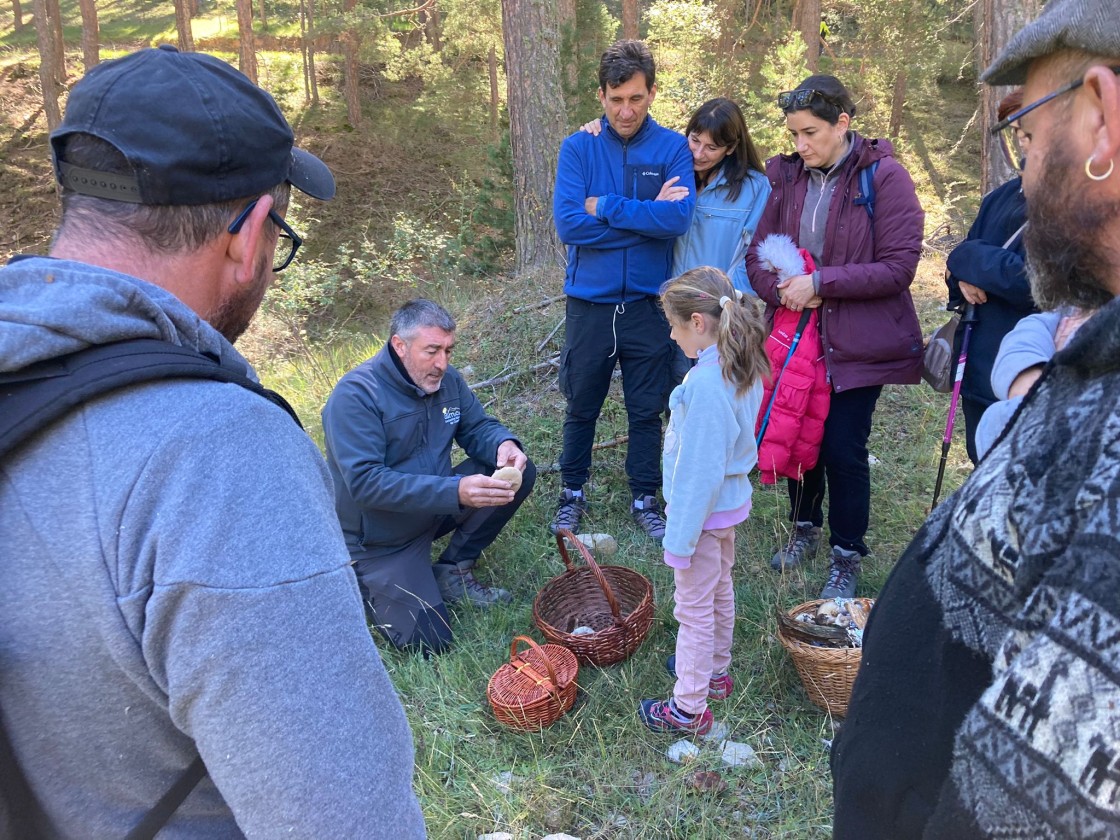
pixel 389 426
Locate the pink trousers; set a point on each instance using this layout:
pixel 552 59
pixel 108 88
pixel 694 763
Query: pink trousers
pixel 705 608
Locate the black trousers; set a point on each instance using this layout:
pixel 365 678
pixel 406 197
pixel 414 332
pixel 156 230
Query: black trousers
pixel 634 336
pixel 399 583
pixel 843 470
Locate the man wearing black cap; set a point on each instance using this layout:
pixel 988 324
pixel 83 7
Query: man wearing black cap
pixel 174 582
pixel 988 701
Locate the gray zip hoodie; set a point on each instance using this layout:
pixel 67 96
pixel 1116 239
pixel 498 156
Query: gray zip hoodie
pixel 172 580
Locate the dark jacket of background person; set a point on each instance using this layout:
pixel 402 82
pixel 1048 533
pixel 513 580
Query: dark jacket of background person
pixel 1002 273
pixel 389 450
pixel 986 702
pixel 869 327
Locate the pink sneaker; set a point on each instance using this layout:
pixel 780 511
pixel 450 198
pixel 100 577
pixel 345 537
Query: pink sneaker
pixel 664 716
pixel 720 686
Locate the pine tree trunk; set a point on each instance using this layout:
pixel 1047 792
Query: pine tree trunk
pixel 569 56
pixel 432 27
pixel 996 21
pixel 192 5
pixel 495 94
pixel 264 19
pixel 350 44
pixel 183 25
pixel 55 16
pixel 536 113
pixel 91 39
pixel 311 52
pixel 810 25
pixel 898 102
pixel 48 63
pixel 247 50
pixel 17 13
pixel 630 19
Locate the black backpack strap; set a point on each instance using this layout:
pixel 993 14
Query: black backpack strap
pixel 34 397
pixel 161 812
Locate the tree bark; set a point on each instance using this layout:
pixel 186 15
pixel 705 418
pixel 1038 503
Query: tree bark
pixel 17 14
pixel 495 94
pixel 630 19
pixel 55 17
pixel 431 20
pixel 996 22
pixel 898 101
pixel 48 63
pixel 569 56
pixel 810 25
pixel 536 113
pixel 91 39
pixel 350 44
pixel 264 19
pixel 192 5
pixel 247 50
pixel 183 25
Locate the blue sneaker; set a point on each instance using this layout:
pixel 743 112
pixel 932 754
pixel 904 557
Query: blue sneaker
pixel 664 716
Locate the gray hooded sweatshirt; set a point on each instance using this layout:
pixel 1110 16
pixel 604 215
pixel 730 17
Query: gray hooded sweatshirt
pixel 173 579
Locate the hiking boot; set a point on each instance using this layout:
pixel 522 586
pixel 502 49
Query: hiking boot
pixel 664 716
pixel 802 546
pixel 843 574
pixel 720 686
pixel 647 513
pixel 458 583
pixel 569 512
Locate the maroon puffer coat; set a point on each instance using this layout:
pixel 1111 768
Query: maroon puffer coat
pixel 869 327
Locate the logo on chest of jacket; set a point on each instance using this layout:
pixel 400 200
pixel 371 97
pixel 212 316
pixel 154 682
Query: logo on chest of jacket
pixel 647 174
pixel 451 415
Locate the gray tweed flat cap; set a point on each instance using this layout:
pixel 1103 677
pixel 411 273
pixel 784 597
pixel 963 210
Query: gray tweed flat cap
pixel 1089 25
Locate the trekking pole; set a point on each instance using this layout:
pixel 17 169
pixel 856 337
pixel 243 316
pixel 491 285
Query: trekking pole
pixel 774 392
pixel 958 375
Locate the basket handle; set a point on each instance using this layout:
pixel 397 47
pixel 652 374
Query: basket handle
pixel 524 667
pixel 563 535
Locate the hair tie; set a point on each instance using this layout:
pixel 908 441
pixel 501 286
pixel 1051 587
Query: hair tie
pixel 723 301
pixel 739 295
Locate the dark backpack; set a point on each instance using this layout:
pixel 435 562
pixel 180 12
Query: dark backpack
pixel 867 189
pixel 30 400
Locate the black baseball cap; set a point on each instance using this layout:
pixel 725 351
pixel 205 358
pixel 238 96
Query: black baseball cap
pixel 194 129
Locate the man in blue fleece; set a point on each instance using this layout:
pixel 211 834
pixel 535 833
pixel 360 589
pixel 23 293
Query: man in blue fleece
pixel 174 582
pixel 621 200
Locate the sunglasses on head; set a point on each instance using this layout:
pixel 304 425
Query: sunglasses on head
pixel 803 98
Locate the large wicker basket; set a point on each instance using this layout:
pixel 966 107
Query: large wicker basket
pixel 616 603
pixel 827 673
pixel 535 687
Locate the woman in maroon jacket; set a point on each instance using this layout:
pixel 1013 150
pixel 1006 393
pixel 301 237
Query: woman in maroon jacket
pixel 866 257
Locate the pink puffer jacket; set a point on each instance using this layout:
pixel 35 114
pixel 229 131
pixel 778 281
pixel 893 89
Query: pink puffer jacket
pixel 792 441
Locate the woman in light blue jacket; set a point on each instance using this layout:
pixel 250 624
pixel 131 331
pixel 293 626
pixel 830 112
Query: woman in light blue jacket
pixel 731 187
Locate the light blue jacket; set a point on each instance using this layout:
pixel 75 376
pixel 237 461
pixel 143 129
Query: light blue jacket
pixel 709 451
pixel 721 229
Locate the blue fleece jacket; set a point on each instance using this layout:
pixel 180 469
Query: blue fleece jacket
pixel 624 252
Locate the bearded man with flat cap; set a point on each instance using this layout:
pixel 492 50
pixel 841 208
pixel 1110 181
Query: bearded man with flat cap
pixel 180 620
pixel 988 702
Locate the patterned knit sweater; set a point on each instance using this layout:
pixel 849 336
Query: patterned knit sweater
pixel 989 701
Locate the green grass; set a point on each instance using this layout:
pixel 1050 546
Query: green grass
pixel 597 773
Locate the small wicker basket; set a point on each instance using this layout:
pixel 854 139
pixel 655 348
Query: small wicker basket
pixel 534 688
pixel 615 602
pixel 827 673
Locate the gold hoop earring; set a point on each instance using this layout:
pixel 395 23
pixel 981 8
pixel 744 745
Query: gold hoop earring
pixel 1102 177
